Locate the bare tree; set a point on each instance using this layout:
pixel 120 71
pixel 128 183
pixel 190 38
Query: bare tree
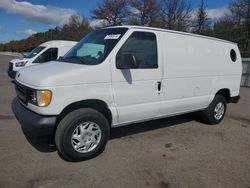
pixel 78 21
pixel 236 12
pixel 201 20
pixel 113 12
pixel 143 12
pixel 240 14
pixel 77 27
pixel 176 14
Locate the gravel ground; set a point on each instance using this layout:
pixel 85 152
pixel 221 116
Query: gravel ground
pixel 173 152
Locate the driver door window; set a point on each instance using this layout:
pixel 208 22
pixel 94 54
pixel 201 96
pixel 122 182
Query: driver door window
pixel 138 52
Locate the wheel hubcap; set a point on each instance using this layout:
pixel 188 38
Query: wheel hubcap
pixel 219 111
pixel 86 137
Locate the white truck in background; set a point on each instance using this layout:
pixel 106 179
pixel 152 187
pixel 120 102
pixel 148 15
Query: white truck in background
pixel 122 75
pixel 45 52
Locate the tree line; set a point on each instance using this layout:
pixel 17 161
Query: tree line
pixel 177 15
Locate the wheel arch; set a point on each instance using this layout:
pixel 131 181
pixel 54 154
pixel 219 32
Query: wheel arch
pixel 95 104
pixel 225 92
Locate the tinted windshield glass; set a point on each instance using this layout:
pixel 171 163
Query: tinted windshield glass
pixel 95 47
pixel 34 52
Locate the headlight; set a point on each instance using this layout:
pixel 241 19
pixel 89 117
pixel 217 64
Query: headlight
pixel 40 97
pixel 21 63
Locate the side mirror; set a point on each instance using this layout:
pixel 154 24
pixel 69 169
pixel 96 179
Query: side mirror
pixel 126 61
pixel 60 58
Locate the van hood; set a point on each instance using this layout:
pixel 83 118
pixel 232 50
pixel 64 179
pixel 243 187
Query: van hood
pixel 57 73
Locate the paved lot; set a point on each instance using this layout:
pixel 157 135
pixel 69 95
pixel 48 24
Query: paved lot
pixel 173 152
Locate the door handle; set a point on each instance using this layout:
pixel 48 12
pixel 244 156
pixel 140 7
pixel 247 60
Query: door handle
pixel 159 87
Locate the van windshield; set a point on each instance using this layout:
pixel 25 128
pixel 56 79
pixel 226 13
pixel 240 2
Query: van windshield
pixel 34 52
pixel 95 47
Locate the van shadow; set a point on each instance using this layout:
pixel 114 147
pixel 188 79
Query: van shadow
pixel 47 144
pixel 127 75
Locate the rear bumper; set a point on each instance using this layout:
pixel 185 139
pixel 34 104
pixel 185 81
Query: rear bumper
pixel 234 99
pixel 34 123
pixel 12 73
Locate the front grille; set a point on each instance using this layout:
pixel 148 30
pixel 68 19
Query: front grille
pixel 24 93
pixel 21 92
pixel 10 66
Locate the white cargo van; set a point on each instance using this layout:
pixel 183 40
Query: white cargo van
pixel 45 52
pixel 121 75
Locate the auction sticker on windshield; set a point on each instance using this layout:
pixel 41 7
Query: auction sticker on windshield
pixel 113 36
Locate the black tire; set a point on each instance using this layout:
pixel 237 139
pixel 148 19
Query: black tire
pixel 67 126
pixel 209 112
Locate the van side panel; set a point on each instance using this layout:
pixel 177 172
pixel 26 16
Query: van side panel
pixel 194 70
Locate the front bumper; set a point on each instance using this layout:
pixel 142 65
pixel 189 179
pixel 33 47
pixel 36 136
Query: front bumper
pixel 34 123
pixel 12 73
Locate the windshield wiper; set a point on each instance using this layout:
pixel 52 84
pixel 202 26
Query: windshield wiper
pixel 78 60
pixel 73 60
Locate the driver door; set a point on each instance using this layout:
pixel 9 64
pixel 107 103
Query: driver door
pixel 137 84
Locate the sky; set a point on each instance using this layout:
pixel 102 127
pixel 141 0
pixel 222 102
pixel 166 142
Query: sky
pixel 21 18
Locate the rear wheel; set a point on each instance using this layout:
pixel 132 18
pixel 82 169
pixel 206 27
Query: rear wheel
pixel 82 134
pixel 215 112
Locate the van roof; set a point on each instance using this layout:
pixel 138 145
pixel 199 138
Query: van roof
pixel 172 31
pixel 58 42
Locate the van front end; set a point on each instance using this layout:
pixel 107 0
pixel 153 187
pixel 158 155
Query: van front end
pixel 34 123
pixel 15 65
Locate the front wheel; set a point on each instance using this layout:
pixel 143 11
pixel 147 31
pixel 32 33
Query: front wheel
pixel 215 112
pixel 82 134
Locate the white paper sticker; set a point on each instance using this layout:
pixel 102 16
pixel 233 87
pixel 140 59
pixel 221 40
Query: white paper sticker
pixel 113 36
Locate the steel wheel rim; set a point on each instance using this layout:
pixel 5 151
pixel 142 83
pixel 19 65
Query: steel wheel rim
pixel 219 111
pixel 86 137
